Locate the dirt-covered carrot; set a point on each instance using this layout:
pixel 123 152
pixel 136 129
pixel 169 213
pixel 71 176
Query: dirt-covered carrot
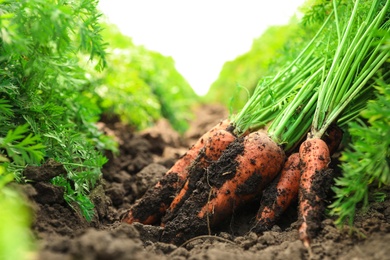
pixel 260 162
pixel 239 175
pixel 213 149
pixel 270 96
pixel 315 158
pixel 278 196
pixel 150 208
pixel 181 166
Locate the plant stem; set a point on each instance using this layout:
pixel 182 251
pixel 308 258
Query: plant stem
pixel 353 65
pixel 269 97
pixel 304 98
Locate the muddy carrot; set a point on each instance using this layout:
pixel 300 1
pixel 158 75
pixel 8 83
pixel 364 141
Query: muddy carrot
pixel 260 162
pixel 278 196
pixel 239 175
pixel 315 158
pixel 150 208
pixel 282 191
pixel 213 149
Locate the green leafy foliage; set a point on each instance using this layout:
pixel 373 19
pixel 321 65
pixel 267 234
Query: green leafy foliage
pixel 351 55
pixel 44 104
pixel 315 11
pixel 141 85
pixel 22 148
pixel 365 164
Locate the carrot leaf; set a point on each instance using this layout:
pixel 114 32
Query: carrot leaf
pixel 366 162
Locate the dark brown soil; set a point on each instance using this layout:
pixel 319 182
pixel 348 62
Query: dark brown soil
pixel 63 233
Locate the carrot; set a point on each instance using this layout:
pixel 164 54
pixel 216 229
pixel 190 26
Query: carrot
pixel 227 186
pixel 256 167
pixel 150 208
pixel 278 196
pixel 213 148
pixel 315 158
pixel 282 191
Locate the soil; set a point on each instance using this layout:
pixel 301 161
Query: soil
pixel 62 233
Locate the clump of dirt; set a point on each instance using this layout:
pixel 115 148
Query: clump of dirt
pixel 62 233
pixel 321 182
pixel 52 215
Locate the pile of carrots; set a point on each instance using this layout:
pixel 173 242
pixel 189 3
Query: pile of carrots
pixel 260 156
pixel 280 148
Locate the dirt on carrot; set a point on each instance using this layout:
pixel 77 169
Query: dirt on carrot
pixel 183 223
pixel 279 195
pixel 214 146
pixel 315 182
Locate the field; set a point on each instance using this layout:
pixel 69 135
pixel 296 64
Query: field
pixel 286 157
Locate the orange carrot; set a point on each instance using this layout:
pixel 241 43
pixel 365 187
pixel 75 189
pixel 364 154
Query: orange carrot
pixel 256 167
pixel 213 148
pixel 315 158
pixel 283 190
pixel 278 196
pixel 150 208
pixel 239 175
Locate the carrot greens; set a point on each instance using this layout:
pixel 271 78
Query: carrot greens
pixel 357 59
pixel 365 162
pixel 274 93
pixel 44 111
pixel 348 54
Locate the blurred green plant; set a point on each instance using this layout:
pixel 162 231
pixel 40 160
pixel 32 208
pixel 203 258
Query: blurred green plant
pixel 15 237
pixel 277 46
pixel 141 85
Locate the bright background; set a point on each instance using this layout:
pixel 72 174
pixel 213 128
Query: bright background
pixel 200 35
